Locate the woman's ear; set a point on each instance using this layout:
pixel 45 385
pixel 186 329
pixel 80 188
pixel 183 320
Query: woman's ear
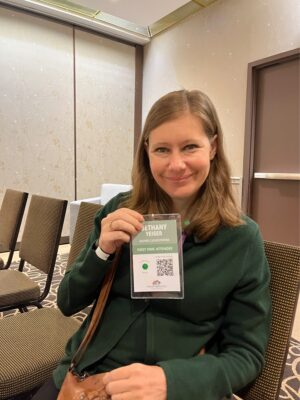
pixel 213 147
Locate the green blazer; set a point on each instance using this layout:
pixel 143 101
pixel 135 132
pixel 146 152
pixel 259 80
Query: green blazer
pixel 226 309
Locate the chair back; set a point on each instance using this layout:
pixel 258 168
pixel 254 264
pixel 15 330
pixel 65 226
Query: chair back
pixel 284 261
pixel 42 232
pixel 11 214
pixel 83 228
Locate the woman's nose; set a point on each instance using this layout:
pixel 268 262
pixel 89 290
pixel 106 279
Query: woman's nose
pixel 176 162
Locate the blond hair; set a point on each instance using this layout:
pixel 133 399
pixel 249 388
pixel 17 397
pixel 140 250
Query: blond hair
pixel 215 204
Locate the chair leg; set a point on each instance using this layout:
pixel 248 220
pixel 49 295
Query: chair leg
pixel 10 257
pixel 23 309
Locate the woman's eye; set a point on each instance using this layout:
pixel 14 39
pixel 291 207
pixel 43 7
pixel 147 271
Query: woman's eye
pixel 161 150
pixel 190 147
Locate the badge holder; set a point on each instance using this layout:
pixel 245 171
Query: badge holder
pixel 156 259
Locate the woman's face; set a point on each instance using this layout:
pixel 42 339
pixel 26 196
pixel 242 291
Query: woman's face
pixel 180 154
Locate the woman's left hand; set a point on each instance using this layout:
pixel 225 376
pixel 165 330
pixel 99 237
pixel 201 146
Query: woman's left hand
pixel 136 382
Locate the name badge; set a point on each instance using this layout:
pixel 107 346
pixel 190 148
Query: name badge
pixel 156 258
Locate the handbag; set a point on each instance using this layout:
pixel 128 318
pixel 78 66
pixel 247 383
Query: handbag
pixel 83 386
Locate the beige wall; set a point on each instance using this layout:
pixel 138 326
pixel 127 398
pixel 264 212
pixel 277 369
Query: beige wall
pixel 42 134
pixel 104 113
pixel 210 51
pixel 36 106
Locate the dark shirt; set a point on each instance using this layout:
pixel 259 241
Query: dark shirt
pixel 226 309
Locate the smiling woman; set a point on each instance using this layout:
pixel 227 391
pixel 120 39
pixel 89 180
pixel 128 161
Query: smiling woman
pixel 213 339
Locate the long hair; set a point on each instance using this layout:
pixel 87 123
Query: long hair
pixel 215 205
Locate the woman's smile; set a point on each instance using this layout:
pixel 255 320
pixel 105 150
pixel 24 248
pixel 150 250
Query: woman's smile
pixel 178 179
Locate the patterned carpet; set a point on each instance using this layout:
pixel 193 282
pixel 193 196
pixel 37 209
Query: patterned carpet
pixel 40 278
pixel 290 388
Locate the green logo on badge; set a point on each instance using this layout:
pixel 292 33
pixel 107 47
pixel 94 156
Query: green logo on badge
pixel 145 266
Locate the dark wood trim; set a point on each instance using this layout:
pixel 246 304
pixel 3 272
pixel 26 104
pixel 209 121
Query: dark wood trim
pixel 249 139
pixel 276 59
pixel 75 114
pixel 250 118
pixel 139 58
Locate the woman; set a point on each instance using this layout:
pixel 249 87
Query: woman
pixel 150 349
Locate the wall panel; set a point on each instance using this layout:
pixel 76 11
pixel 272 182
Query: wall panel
pixel 66 108
pixel 36 105
pixel 105 82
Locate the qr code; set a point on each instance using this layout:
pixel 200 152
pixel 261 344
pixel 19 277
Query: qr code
pixel 164 267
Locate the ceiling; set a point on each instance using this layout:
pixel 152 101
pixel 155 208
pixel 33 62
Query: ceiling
pixel 135 21
pixel 140 12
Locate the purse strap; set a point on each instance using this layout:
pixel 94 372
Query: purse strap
pixel 98 311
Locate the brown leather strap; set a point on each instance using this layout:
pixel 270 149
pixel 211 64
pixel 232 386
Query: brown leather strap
pixel 98 311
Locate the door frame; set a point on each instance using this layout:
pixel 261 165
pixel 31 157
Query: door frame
pixel 251 99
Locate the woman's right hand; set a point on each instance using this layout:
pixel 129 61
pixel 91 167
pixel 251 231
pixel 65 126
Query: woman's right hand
pixel 118 228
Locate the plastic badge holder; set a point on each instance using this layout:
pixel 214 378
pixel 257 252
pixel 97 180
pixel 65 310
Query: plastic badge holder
pixel 156 266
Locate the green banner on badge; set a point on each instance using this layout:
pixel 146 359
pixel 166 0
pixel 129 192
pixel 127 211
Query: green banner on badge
pixel 156 237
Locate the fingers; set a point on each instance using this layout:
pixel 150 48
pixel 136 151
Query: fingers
pixel 123 219
pixel 118 373
pixel 136 381
pixel 118 228
pixel 116 383
pixel 119 381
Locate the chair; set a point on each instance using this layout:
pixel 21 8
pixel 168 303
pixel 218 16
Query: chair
pixel 11 214
pixel 38 247
pixel 35 341
pixel 108 191
pixel 83 227
pixel 284 261
pixel 32 345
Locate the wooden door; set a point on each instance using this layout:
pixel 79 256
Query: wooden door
pixel 271 191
